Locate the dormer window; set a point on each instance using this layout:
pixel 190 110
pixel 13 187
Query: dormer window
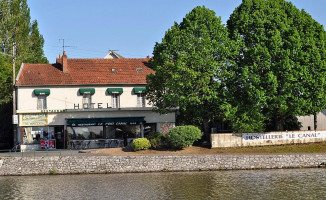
pixel 139 69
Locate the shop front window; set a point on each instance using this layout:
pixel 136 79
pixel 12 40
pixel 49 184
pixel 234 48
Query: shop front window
pixel 33 135
pixel 120 132
pixel 85 133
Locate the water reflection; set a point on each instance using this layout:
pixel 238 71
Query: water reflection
pixel 258 184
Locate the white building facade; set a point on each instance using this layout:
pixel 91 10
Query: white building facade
pixel 85 103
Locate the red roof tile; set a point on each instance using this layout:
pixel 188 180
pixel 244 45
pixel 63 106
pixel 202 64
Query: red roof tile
pixel 86 72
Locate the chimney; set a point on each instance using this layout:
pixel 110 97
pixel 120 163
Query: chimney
pixel 147 57
pixel 59 60
pixel 64 62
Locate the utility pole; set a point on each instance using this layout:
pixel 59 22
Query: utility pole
pixel 14 116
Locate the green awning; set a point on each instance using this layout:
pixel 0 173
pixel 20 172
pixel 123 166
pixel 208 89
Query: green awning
pixel 105 121
pixel 115 90
pixel 139 90
pixel 42 92
pixel 87 90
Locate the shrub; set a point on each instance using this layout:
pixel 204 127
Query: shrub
pixel 156 139
pixel 140 144
pixel 183 136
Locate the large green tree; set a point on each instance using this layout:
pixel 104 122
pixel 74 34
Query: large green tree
pixel 189 66
pixel 281 69
pixel 15 28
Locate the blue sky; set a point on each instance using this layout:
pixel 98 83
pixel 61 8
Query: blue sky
pixel 92 28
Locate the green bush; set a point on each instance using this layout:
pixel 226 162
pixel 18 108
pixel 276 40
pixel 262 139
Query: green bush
pixel 183 136
pixel 140 144
pixel 156 139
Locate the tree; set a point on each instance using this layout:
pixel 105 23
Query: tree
pixel 15 27
pixel 36 45
pixel 281 69
pixel 189 67
pixel 5 80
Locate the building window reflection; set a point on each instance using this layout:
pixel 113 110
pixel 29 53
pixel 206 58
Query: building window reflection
pixel 115 100
pixel 41 102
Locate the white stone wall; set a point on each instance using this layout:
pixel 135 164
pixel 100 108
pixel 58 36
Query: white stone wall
pixel 64 97
pixel 150 116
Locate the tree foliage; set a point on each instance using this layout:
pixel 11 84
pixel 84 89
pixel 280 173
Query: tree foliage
pixel 190 65
pixel 281 69
pixel 16 27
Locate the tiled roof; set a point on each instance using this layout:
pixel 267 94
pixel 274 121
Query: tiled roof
pixel 86 72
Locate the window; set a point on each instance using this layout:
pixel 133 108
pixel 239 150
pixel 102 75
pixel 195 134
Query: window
pixel 141 101
pixel 115 100
pixel 87 101
pixel 41 102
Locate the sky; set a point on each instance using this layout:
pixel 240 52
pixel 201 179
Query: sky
pixel 130 27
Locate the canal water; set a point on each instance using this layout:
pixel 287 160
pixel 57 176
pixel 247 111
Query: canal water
pixel 252 184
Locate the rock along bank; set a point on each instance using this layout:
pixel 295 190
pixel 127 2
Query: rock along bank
pixel 157 163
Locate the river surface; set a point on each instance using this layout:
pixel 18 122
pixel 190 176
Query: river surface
pixel 243 184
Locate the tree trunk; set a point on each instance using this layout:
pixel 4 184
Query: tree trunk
pixel 206 130
pixel 279 126
pixel 315 121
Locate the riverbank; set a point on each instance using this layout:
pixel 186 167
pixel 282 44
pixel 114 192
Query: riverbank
pixel 205 150
pixel 154 163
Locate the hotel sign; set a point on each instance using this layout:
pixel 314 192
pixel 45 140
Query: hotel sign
pixel 283 135
pixel 38 119
pixel 105 121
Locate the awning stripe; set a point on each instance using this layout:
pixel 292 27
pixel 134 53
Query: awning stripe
pixel 139 90
pixel 42 92
pixel 115 90
pixel 87 91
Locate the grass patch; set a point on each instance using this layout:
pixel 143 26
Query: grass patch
pixel 52 171
pixel 289 148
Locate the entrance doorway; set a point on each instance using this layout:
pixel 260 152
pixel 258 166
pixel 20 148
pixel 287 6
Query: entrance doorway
pixel 59 137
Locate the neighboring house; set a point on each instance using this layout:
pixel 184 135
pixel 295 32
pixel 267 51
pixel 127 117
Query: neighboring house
pixel 307 122
pixel 113 55
pixel 85 103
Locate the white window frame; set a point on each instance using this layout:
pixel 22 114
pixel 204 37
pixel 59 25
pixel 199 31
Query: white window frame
pixel 141 100
pixel 41 102
pixel 115 100
pixel 87 101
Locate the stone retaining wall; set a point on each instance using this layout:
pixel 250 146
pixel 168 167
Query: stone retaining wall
pixel 118 164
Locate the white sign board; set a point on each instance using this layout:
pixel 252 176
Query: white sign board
pixel 15 119
pixel 283 135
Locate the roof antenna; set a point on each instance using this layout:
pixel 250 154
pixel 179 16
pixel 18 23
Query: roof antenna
pixel 63 44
